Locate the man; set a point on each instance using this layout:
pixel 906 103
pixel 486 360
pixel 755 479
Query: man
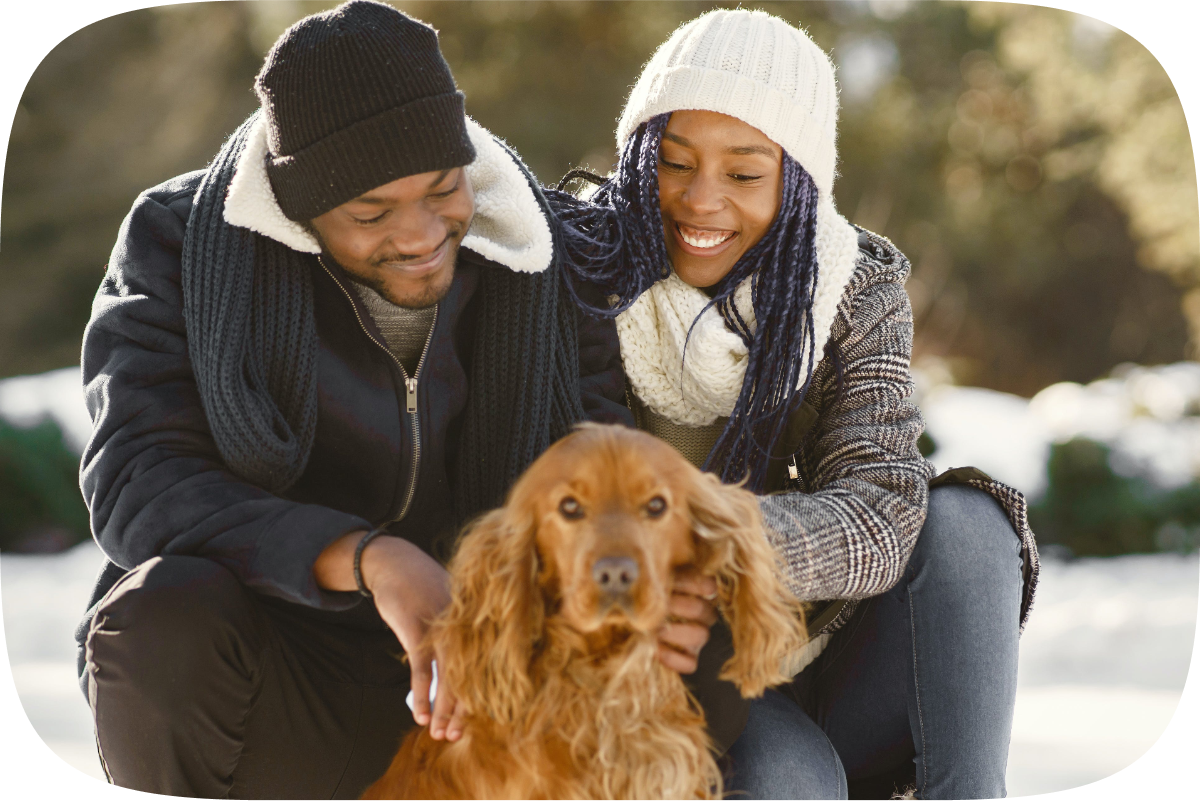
pixel 307 365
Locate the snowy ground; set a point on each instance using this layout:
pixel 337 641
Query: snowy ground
pixel 1103 659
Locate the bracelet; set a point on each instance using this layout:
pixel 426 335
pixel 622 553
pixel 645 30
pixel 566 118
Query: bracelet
pixel 358 551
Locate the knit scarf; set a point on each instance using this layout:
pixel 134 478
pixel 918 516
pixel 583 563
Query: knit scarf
pixel 252 340
pixel 697 385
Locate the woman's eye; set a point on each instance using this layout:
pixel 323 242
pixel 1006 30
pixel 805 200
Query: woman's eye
pixel 744 178
pixel 570 508
pixel 656 506
pixel 670 165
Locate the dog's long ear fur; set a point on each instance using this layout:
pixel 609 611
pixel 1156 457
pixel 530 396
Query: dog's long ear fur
pixel 485 637
pixel 766 620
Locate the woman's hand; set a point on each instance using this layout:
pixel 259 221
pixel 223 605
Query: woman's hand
pixel 690 615
pixel 410 589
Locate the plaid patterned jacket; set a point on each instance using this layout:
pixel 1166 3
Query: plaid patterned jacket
pixel 847 523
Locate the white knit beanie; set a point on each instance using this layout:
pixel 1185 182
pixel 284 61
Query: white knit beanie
pixel 752 66
pixel 759 69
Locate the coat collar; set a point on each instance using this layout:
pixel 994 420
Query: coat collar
pixel 509 227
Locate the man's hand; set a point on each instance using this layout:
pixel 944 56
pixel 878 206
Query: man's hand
pixel 691 614
pixel 410 589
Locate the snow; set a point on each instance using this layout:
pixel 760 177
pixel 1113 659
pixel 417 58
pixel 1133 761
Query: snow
pixel 29 399
pixel 1149 416
pixel 1103 659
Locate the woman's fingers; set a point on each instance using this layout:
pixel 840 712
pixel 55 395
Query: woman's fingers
pixel 688 637
pixel 690 581
pixel 676 660
pixel 692 609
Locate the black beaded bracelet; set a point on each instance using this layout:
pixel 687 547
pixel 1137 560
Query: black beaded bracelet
pixel 358 552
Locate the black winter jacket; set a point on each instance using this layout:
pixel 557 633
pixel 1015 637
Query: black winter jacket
pixel 151 474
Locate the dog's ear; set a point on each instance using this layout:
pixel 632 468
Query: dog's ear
pixel 766 620
pixel 485 637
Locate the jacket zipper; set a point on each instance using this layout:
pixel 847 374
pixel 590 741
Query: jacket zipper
pixel 410 392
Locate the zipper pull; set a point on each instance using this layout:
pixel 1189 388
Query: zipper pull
pixel 411 385
pixel 793 472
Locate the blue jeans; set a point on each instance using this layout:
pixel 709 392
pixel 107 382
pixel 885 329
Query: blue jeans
pixel 917 689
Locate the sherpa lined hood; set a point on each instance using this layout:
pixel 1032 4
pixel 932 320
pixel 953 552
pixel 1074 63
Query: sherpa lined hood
pixel 509 227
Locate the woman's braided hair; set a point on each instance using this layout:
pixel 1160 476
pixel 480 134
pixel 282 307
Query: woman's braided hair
pixel 616 241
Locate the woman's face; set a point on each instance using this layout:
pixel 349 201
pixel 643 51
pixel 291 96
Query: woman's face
pixel 719 183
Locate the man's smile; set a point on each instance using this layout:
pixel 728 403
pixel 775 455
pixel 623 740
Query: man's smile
pixel 420 266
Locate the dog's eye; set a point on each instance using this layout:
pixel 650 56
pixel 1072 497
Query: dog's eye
pixel 570 508
pixel 656 506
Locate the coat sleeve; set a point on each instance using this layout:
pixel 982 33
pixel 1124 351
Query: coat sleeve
pixel 601 375
pixel 151 474
pixel 851 534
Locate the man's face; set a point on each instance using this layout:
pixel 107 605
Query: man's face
pixel 401 239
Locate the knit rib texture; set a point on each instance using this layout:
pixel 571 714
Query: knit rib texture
pixel 355 98
pixel 752 66
pixel 252 339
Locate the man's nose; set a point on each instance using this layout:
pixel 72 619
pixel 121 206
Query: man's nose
pixel 417 234
pixel 615 575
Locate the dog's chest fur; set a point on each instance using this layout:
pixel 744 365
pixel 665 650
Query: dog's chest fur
pixel 624 728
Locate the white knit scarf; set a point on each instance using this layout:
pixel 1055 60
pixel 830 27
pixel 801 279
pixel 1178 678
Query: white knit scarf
pixel 704 387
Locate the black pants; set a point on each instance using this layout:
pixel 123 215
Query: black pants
pixel 200 687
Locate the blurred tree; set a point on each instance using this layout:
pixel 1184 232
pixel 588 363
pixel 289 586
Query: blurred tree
pixel 1105 109
pixel 40 506
pixel 1025 272
pixel 117 107
pixel 1094 511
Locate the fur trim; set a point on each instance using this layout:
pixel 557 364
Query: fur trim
pixel 509 226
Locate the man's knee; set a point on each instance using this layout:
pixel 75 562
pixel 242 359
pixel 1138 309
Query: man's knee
pixel 170 614
pixel 782 753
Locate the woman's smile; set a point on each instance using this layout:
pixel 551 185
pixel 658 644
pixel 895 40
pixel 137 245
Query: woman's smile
pixel 719 183
pixel 702 242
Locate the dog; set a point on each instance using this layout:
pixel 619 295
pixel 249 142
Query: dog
pixel 550 639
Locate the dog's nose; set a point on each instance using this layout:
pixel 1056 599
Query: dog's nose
pixel 615 575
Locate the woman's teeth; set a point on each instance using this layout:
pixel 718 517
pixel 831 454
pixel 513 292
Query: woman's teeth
pixel 703 239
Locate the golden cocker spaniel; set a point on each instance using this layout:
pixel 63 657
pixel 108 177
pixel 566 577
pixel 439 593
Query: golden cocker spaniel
pixel 550 640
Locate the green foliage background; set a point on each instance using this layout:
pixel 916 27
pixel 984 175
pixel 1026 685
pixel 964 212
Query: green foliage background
pixel 1034 165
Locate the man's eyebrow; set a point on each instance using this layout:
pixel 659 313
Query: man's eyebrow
pixel 379 201
pixel 441 176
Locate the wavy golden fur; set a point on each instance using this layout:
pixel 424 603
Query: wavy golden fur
pixel 564 693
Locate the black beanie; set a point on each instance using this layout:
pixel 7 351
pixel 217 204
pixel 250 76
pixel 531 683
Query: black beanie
pixel 355 98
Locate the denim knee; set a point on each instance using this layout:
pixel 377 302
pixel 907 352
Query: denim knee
pixel 782 753
pixel 968 533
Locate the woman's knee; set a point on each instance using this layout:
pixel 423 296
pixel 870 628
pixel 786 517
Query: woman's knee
pixel 967 530
pixel 782 753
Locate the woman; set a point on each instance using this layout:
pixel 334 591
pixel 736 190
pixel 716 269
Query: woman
pixel 769 340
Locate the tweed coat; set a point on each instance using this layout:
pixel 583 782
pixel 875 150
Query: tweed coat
pixel 847 523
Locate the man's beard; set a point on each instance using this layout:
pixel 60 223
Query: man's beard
pixel 429 291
